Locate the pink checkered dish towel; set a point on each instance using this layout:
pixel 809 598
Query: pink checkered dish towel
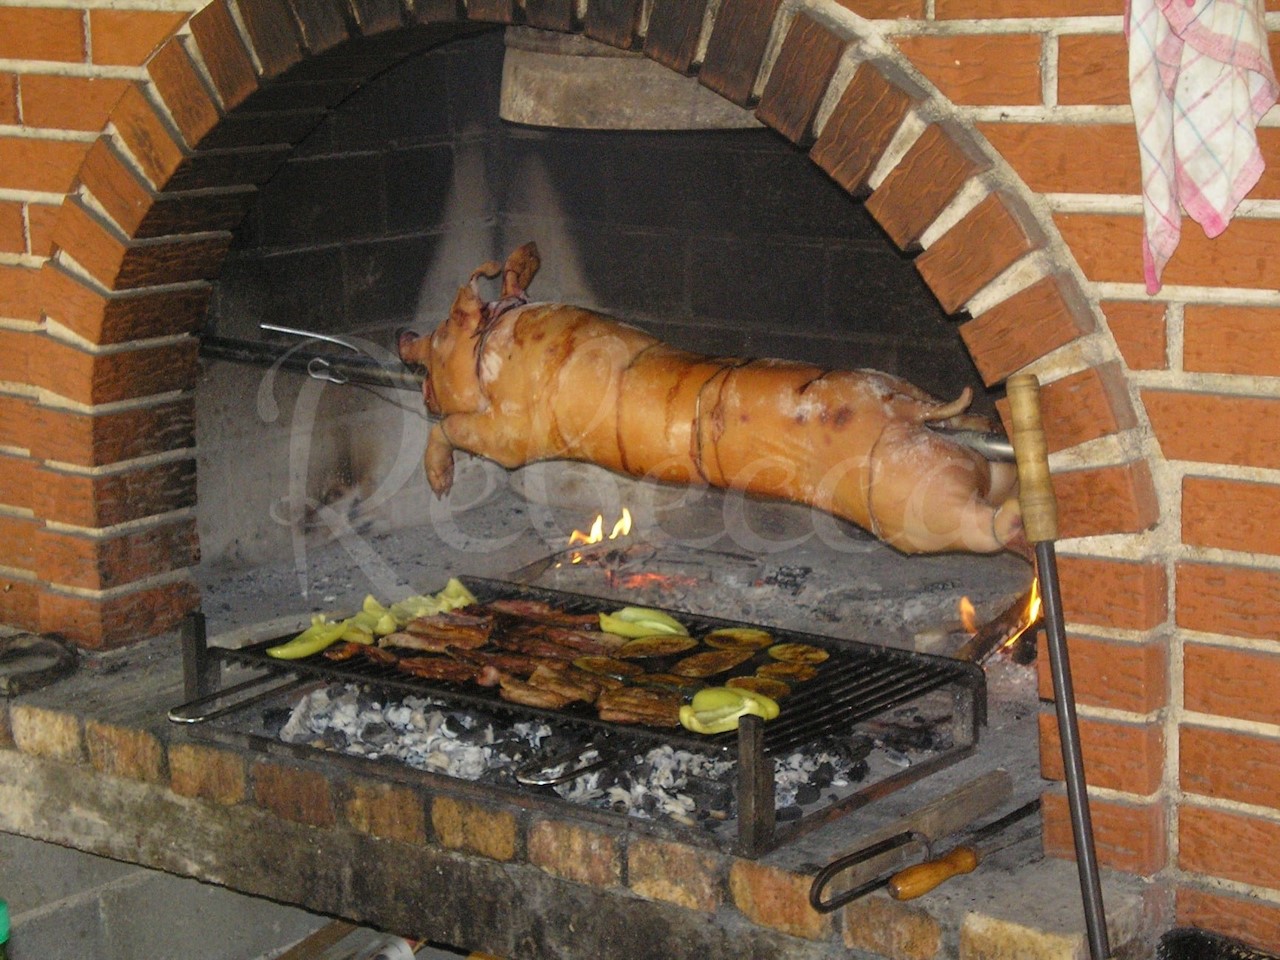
pixel 1200 78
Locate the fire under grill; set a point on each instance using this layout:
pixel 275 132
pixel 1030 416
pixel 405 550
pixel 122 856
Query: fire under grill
pixel 901 715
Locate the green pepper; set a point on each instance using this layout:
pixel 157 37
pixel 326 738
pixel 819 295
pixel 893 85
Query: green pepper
pixel 312 640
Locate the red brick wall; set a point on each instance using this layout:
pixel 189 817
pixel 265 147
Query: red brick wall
pixel 993 134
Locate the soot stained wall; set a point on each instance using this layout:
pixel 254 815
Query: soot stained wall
pixel 726 242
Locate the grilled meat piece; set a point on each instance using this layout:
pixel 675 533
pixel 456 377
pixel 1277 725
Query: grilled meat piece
pixel 344 651
pixel 411 641
pixel 609 667
pixel 517 691
pixel 561 682
pixel 437 668
pixel 458 618
pixel 379 656
pixel 533 646
pixel 540 612
pixel 596 643
pixel 433 636
pixel 450 629
pixel 639 705
pixel 515 664
pixel 349 651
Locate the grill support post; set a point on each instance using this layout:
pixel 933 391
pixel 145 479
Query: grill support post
pixel 756 802
pixel 201 670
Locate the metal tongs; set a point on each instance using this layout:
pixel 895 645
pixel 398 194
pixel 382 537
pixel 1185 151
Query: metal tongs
pixel 817 890
pixel 549 771
pixel 907 883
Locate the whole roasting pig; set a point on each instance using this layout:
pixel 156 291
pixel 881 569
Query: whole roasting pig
pixel 517 382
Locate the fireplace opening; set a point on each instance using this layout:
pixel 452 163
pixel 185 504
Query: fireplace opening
pixel 725 242
pixel 720 241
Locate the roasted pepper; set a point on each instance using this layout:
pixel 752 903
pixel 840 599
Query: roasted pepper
pixel 718 709
pixel 454 595
pixel 373 620
pixel 640 622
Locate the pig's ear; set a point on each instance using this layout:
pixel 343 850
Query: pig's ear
pixel 489 268
pixel 520 269
pixel 467 312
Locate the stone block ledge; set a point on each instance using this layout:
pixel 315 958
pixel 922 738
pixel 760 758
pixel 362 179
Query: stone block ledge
pixel 92 763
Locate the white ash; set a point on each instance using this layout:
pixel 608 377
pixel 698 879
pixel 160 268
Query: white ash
pixel 411 730
pixel 661 782
pixel 650 783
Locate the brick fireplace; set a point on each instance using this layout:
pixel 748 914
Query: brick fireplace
pixel 993 136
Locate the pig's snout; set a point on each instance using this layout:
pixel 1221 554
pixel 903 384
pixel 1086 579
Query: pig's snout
pixel 413 349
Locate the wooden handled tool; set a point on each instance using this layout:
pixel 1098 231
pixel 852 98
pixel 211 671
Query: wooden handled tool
pixel 917 880
pixel 1035 486
pixel 1040 520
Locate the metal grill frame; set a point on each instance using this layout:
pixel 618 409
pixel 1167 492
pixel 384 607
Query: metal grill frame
pixel 861 681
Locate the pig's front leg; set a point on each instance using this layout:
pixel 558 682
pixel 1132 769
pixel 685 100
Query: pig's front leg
pixel 439 459
pixel 503 439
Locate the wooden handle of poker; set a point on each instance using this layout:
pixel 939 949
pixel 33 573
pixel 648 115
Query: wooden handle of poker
pixel 918 880
pixel 1035 487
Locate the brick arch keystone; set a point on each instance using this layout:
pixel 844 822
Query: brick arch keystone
pixel 148 224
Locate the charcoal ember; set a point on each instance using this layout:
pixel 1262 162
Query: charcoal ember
pixel 852 750
pixel 789 813
pixel 377 734
pixel 711 796
pixel 274 719
pixel 337 739
pixel 473 734
pixel 808 793
pixel 788 577
pixel 914 739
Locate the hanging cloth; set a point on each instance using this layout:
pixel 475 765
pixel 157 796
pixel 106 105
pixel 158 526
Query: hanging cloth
pixel 1200 78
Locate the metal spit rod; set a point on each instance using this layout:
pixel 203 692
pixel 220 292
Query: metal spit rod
pixel 360 368
pixel 344 368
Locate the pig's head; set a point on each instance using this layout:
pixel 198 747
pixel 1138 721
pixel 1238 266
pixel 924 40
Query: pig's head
pixel 449 354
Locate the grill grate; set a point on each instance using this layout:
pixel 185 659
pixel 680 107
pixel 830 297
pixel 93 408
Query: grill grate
pixel 858 683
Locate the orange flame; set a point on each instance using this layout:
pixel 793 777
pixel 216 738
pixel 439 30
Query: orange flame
pixel 968 616
pixel 662 581
pixel 596 534
pixel 1030 617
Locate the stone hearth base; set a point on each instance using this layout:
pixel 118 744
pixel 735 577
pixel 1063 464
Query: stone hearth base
pixel 93 764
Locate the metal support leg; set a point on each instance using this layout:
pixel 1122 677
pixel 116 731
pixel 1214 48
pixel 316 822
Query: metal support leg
pixel 201 670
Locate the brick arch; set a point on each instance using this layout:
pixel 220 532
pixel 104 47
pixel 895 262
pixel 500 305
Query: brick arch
pixel 148 224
